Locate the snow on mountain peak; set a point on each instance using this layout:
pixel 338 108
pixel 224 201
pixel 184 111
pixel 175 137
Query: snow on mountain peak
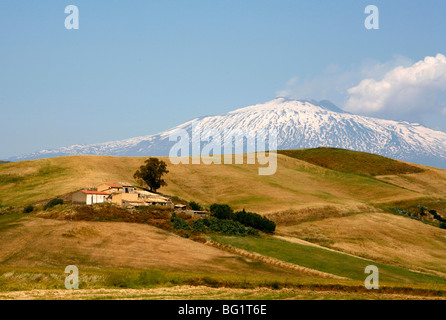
pixel 280 103
pixel 300 124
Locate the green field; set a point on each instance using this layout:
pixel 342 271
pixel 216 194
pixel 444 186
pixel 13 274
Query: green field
pixel 333 199
pixel 327 261
pixel 359 163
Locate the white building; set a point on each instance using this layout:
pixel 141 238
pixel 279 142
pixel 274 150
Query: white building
pixel 89 197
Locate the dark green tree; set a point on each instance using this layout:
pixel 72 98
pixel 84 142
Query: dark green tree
pixel 422 210
pixel 221 211
pixel 151 173
pixel 53 203
pixel 195 205
pixel 28 209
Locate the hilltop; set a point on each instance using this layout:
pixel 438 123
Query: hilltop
pixel 300 181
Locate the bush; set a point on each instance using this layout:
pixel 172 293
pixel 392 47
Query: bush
pixel 248 219
pixel 228 227
pixel 195 206
pixel 443 225
pixel 28 209
pixel 151 278
pixel 422 210
pixel 119 280
pixel 199 226
pixel 223 226
pixel 222 211
pixel 178 223
pixel 255 220
pixel 53 203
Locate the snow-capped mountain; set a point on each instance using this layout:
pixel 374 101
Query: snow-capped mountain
pixel 300 124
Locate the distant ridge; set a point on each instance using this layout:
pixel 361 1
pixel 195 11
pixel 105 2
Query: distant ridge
pixel 300 124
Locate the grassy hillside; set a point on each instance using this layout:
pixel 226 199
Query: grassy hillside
pixel 42 243
pixel 27 182
pixel 296 185
pixel 329 219
pixel 327 261
pixel 360 163
pixel 379 236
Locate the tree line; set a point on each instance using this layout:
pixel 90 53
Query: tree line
pixel 249 219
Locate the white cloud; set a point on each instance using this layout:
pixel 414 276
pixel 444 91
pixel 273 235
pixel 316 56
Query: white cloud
pixel 335 81
pixel 399 89
pixel 403 91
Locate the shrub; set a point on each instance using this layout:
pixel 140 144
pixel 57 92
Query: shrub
pixel 228 227
pixel 223 226
pixel 422 210
pixel 221 211
pixel 433 212
pixel 199 226
pixel 195 206
pixel 28 209
pixel 178 223
pixel 255 220
pixel 443 225
pixel 248 219
pixel 150 278
pixel 252 232
pixel 119 280
pixel 436 216
pixel 53 203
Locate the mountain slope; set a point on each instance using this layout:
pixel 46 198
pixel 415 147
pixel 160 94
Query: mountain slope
pixel 300 124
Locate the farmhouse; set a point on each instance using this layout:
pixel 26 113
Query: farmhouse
pixel 116 188
pixel 121 194
pixel 87 197
pixel 123 199
pixel 110 188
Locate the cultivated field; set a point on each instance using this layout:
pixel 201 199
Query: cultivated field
pixel 332 221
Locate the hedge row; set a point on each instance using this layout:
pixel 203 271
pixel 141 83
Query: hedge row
pixel 223 226
pixel 249 219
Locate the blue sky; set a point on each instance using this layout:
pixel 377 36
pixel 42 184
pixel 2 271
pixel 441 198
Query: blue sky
pixel 140 67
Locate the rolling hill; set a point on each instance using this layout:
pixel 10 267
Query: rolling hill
pixel 327 203
pixel 297 184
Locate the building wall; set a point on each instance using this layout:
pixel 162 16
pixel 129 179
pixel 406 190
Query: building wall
pixel 97 198
pixel 79 198
pixel 118 198
pixel 106 188
pixel 83 198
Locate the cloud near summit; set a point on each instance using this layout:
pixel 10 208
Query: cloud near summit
pixel 402 90
pixel 399 89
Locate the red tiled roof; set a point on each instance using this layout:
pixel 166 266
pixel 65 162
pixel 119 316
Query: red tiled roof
pixel 95 192
pixel 114 185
